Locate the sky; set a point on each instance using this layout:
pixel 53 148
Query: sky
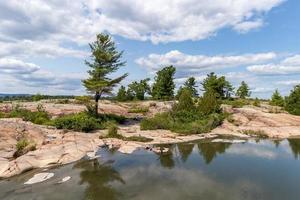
pixel 44 43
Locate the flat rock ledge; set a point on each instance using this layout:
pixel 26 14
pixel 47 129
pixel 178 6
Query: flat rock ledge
pixel 58 147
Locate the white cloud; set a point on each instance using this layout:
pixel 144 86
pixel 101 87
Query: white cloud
pixel 195 63
pixel 156 20
pixel 244 27
pixel 288 66
pixel 28 48
pixel 31 75
pixel 13 66
pixel 292 61
pixel 288 82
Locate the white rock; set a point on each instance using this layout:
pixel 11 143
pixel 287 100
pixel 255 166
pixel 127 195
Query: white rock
pixel 65 179
pixel 37 178
pixel 92 155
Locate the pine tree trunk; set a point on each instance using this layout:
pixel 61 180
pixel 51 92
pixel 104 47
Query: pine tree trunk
pixel 97 97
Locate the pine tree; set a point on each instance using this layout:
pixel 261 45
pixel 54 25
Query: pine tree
pixel 277 99
pixel 243 91
pixel 105 59
pixel 292 104
pixel 163 87
pixel 190 84
pixel 121 96
pixel 217 85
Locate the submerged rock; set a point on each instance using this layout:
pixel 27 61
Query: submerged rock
pixel 37 178
pixel 129 148
pixel 65 179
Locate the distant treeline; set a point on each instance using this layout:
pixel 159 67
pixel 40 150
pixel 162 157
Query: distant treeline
pixel 36 97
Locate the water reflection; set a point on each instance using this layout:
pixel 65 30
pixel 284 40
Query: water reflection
pixel 185 150
pixel 97 177
pixel 295 147
pixel 209 151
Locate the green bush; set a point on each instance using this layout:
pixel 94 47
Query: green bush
pixel 112 131
pixel 192 125
pixel 77 122
pixel 85 122
pixel 255 133
pixel 159 121
pixel 21 144
pixel 38 117
pixel 83 99
pixel 256 102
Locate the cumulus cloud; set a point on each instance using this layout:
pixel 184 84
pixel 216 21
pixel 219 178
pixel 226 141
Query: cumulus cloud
pixel 28 48
pixel 31 75
pixel 157 21
pixel 287 66
pixel 196 63
pixel 14 66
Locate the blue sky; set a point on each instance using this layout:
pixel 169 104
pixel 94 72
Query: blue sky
pixel 44 43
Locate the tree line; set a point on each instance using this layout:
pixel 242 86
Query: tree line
pixel 106 59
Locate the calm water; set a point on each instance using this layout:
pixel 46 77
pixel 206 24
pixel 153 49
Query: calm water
pixel 201 170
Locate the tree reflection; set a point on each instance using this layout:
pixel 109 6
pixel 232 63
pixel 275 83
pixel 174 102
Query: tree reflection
pixel 166 158
pixel 98 176
pixel 185 150
pixel 210 150
pixel 295 147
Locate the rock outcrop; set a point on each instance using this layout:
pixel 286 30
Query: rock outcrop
pixel 56 147
pixel 249 118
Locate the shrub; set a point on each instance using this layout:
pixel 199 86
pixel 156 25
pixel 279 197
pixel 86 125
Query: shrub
pixel 38 117
pixel 199 124
pixel 112 131
pixel 256 102
pixel 83 99
pixel 159 121
pixel 256 133
pixel 85 122
pixel 23 146
pixel 77 122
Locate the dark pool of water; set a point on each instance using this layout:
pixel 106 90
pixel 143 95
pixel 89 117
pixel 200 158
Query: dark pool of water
pixel 200 170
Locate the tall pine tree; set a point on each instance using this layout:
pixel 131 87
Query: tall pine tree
pixel 163 87
pixel 105 59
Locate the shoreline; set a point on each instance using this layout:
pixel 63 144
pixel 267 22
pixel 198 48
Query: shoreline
pixel 58 147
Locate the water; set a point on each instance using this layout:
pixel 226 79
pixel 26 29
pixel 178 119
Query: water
pixel 254 170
